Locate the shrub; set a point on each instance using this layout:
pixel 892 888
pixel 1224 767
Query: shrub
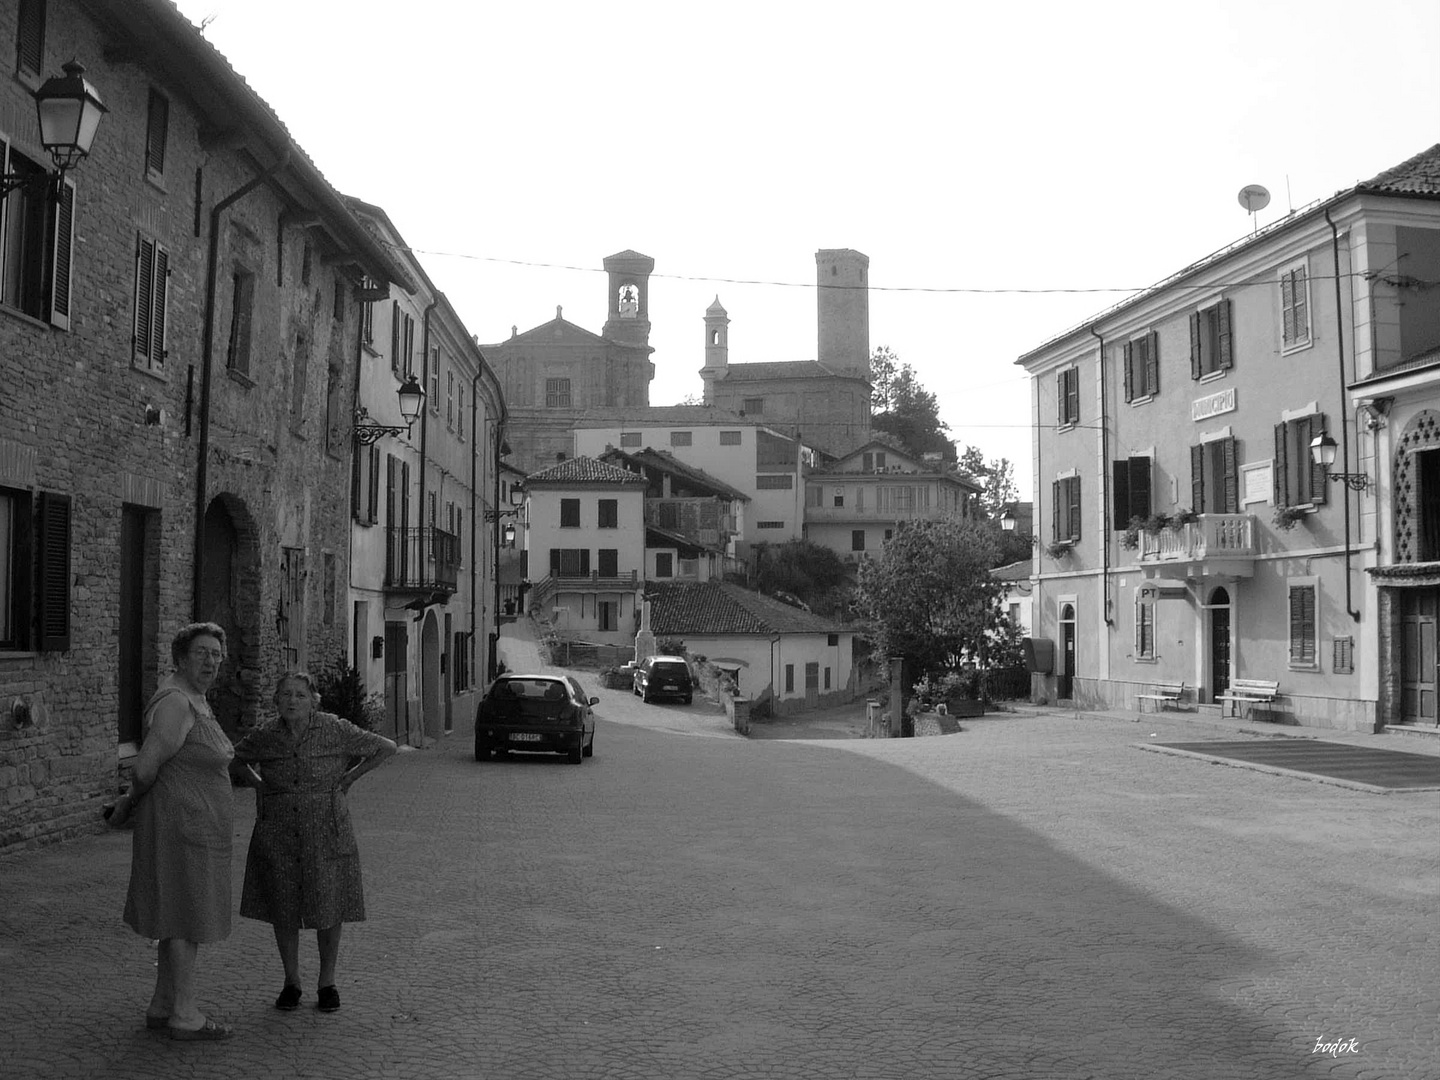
pixel 342 692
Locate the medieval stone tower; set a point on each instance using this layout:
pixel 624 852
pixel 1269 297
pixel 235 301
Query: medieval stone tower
pixel 843 306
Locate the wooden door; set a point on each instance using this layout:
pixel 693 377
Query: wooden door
pixel 1418 665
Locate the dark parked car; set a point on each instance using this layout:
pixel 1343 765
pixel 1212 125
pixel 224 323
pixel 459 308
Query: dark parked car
pixel 535 712
pixel 664 676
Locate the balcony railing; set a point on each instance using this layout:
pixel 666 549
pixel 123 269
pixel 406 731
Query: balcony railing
pixel 818 514
pixel 1213 537
pixel 421 558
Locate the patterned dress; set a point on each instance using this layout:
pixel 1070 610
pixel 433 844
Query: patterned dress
pixel 303 868
pixel 180 852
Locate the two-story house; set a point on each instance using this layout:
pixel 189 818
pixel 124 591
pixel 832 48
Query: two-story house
pixel 179 322
pixel 584 537
pixel 1210 543
pixel 856 503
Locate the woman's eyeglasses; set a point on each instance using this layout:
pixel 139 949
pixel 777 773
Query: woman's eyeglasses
pixel 217 655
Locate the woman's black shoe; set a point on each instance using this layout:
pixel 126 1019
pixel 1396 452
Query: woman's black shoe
pixel 289 997
pixel 329 999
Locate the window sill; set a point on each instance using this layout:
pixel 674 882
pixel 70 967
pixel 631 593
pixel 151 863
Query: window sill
pixel 31 81
pixel 158 374
pixel 240 377
pixel 1213 376
pixel 157 181
pixel 1304 667
pixel 1146 659
pixel 1141 400
pixel 20 316
pixel 17 656
pixel 1069 425
pixel 1296 347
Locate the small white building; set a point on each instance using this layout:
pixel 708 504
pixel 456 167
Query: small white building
pixel 783 654
pixel 585 548
pixel 1018 589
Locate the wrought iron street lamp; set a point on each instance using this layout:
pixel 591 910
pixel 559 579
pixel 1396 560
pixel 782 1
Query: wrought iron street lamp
pixel 1322 451
pixel 69 111
pixel 412 400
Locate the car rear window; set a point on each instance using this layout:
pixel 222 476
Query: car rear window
pixel 671 671
pixel 532 689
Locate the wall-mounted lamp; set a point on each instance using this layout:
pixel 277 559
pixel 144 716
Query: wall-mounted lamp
pixel 517 503
pixel 1322 451
pixel 412 400
pixel 69 110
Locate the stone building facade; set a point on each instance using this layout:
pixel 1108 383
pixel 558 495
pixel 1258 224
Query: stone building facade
pixel 552 374
pixel 823 402
pixel 178 342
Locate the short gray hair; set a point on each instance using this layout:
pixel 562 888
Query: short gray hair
pixel 301 677
pixel 185 637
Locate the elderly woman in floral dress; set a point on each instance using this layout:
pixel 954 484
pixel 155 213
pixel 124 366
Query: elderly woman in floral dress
pixel 303 867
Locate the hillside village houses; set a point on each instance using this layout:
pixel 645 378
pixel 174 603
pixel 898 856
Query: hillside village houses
pixel 180 339
pixel 1230 553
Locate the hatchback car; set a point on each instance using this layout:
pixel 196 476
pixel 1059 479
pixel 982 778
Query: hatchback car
pixel 550 713
pixel 664 676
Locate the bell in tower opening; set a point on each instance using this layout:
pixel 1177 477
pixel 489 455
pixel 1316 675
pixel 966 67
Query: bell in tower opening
pixel 629 301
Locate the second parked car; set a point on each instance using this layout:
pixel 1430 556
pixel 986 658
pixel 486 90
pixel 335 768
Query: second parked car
pixel 664 676
pixel 535 712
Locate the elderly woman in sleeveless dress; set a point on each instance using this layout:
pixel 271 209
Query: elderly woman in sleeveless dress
pixel 180 798
pixel 303 867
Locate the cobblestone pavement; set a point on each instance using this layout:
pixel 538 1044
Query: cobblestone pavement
pixel 1031 898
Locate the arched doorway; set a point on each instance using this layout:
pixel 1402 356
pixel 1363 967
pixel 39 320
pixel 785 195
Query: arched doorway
pixel 1219 607
pixel 230 596
pixel 1065 681
pixel 432 703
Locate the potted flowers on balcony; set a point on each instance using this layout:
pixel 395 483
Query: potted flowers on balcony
pixel 1058 549
pixel 1130 538
pixel 1184 516
pixel 1286 518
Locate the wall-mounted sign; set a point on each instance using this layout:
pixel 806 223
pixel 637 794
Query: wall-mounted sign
pixel 1257 481
pixel 1206 407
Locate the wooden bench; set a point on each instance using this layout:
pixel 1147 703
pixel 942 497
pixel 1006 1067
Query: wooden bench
pixel 1164 694
pixel 1248 693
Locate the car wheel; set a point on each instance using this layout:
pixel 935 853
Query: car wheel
pixel 482 753
pixel 590 747
pixel 577 755
pixel 689 698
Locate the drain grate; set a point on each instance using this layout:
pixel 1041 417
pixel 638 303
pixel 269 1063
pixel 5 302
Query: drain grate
pixel 1361 766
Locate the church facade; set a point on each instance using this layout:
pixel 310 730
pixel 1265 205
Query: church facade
pixel 824 402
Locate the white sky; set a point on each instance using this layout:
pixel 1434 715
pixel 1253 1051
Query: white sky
pixel 961 145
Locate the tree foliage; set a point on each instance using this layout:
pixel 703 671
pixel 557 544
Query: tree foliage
pixel 903 409
pixel 806 569
pixel 931 598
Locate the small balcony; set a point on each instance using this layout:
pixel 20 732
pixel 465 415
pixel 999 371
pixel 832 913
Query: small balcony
pixel 421 559
pixel 1215 544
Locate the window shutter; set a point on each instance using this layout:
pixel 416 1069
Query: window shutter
pixel 1197 478
pixel 1073 400
pixel 1129 360
pixel 1222 314
pixel 161 288
pixel 1061 398
pixel 357 457
pixel 1302 622
pixel 395 335
pixel 374 501
pixel 61 242
pixel 158 123
pixel 609 560
pixel 1120 502
pixel 1055 510
pixel 1232 478
pixel 1279 468
pixel 1139 487
pixel 53 609
pixel 1287 307
pixel 1195 371
pixel 1075 508
pixel 391 481
pixel 30 38
pixel 1319 474
pixel 1152 364
pixel 554 562
pixel 584 560
pixel 1299 302
pixel 144 295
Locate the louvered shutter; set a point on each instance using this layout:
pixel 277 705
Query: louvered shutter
pixel 53 579
pixel 1195 356
pixel 158 318
pixel 62 235
pixel 358 455
pixel 144 295
pixel 1222 315
pixel 373 504
pixel 1319 474
pixel 584 561
pixel 155 134
pixel 1197 478
pixel 1129 360
pixel 1302 617
pixel 1232 478
pixel 1075 508
pixel 1139 487
pixel 1152 364
pixel 30 37
pixel 1072 405
pixel 1120 503
pixel 1055 510
pixel 1280 467
pixel 1287 307
pixel 1061 398
pixel 395 335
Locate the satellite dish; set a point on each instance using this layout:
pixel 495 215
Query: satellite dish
pixel 1254 197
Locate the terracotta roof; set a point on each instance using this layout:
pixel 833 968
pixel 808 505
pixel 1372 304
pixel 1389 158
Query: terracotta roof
pixel 583 470
pixel 1418 176
pixel 656 537
pixel 649 415
pixel 784 369
pixel 1015 571
pixel 663 459
pixel 713 607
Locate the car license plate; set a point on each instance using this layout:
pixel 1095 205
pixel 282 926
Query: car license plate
pixel 672 686
pixel 525 736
